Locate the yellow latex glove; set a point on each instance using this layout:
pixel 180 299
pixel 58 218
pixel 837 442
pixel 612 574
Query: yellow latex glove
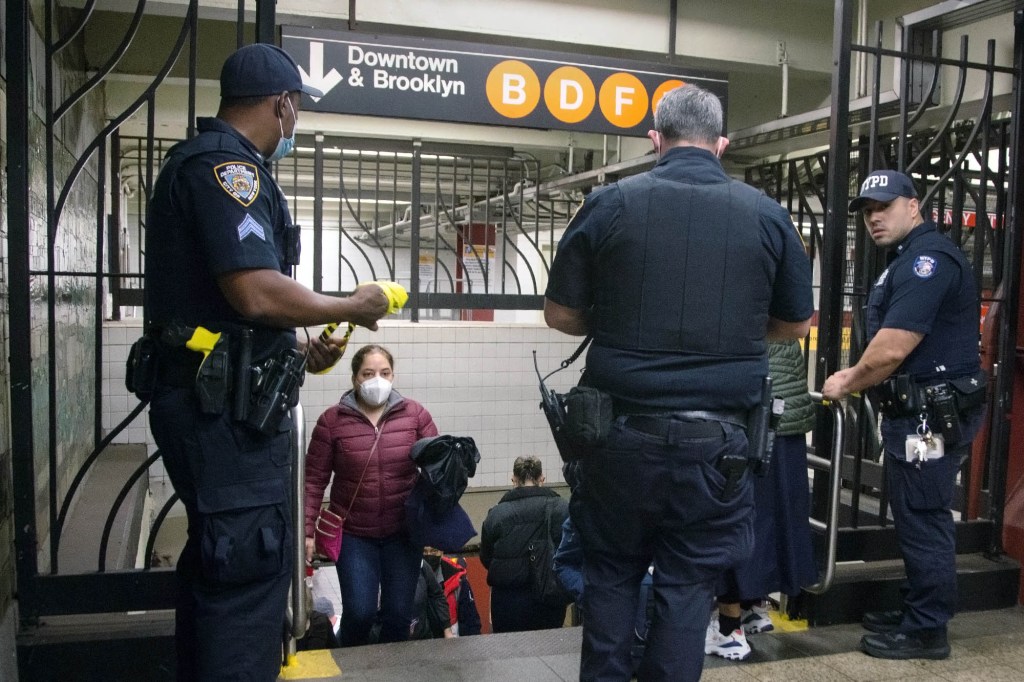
pixel 397 298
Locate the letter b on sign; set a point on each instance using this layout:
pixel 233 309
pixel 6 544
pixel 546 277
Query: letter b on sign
pixel 513 89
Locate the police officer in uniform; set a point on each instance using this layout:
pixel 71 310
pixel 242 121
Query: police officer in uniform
pixel 220 248
pixel 922 357
pixel 681 274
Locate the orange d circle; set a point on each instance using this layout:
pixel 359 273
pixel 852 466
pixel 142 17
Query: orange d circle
pixel 623 100
pixel 569 94
pixel 513 89
pixel 662 89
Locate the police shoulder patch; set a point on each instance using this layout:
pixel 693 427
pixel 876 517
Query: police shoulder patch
pixel 240 180
pixel 924 266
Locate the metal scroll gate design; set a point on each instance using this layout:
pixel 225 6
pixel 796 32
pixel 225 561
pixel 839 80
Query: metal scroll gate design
pixel 57 429
pixel 468 232
pixel 963 158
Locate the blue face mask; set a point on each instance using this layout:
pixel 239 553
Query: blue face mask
pixel 285 145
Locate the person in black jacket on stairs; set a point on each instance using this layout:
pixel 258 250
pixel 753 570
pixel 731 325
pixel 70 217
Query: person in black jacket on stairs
pixel 504 549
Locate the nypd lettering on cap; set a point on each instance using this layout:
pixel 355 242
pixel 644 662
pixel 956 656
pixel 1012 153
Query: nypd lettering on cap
pixel 874 182
pixel 240 180
pixel 924 266
pixel 249 226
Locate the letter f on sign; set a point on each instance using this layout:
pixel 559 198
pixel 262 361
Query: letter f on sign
pixel 623 98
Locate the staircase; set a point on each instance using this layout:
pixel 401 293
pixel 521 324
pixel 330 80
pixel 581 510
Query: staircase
pixel 869 573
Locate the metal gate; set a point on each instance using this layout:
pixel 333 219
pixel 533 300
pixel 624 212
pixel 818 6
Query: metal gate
pixel 965 158
pixel 471 231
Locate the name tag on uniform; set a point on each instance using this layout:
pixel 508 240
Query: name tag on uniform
pixel 920 450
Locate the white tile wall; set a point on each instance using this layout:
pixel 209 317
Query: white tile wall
pixel 476 378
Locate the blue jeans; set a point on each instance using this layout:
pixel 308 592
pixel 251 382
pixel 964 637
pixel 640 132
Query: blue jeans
pixel 367 567
pixel 645 499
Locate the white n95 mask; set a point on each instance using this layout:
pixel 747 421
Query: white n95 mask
pixel 375 391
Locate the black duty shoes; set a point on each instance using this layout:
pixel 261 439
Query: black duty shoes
pixel 899 645
pixel 882 621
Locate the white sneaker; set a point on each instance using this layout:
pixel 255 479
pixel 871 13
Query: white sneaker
pixel 756 620
pixel 734 646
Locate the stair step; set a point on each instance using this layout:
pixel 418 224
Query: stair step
pixel 983 583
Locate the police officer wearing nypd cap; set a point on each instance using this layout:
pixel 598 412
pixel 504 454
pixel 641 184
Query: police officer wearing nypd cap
pixel 922 366
pixel 220 248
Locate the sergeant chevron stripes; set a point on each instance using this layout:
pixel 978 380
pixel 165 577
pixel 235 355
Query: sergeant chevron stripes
pixel 250 226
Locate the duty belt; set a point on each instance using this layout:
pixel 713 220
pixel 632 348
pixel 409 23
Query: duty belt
pixel 674 430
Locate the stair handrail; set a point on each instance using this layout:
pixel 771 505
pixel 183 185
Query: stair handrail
pixel 834 467
pixel 300 618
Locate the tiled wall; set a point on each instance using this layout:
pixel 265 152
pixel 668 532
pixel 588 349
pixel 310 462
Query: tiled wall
pixel 476 378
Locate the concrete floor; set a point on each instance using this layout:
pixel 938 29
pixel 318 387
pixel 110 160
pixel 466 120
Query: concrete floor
pixel 987 646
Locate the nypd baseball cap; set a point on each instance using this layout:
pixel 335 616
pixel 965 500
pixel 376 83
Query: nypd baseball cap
pixel 261 69
pixel 884 186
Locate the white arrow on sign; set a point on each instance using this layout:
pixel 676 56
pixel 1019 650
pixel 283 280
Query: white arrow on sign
pixel 316 77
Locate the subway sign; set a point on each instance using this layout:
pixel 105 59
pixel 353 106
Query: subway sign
pixel 443 80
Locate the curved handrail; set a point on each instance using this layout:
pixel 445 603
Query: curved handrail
pixel 834 466
pixel 155 529
pixel 116 506
pixel 58 527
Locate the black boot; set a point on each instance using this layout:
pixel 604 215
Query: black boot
pixel 903 645
pixel 882 621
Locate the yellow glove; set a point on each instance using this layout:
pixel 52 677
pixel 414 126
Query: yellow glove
pixel 397 298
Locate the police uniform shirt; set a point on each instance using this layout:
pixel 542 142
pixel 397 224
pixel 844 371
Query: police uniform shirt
pixel 929 288
pixel 678 377
pixel 215 209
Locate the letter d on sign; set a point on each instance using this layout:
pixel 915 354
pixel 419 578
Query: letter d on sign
pixel 569 94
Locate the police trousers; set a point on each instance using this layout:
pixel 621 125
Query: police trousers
pixel 643 499
pixel 921 496
pixel 235 569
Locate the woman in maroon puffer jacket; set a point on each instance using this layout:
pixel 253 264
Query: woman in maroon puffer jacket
pixel 365 441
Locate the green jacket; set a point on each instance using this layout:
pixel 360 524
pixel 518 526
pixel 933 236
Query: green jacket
pixel 789 381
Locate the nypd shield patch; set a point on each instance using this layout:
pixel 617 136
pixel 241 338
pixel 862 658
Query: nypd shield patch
pixel 240 180
pixel 924 266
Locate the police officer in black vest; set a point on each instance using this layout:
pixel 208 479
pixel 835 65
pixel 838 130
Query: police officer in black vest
pixel 922 360
pixel 681 274
pixel 225 366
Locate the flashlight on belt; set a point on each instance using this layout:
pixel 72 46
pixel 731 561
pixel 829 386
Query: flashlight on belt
pixel 397 298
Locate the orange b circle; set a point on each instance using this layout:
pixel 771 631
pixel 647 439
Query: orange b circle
pixel 623 100
pixel 569 94
pixel 513 89
pixel 662 89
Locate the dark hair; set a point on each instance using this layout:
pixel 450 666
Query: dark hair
pixel 357 359
pixel 527 469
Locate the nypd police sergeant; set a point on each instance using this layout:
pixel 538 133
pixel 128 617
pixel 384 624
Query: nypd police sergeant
pixel 922 366
pixel 221 364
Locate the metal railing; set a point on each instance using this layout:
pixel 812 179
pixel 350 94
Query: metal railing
pixel 299 616
pixel 834 467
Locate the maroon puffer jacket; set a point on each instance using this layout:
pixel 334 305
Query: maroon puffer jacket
pixel 341 444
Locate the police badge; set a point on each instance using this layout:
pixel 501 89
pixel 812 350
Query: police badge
pixel 240 180
pixel 924 266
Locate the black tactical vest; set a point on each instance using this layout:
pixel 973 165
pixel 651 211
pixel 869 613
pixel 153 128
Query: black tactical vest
pixel 681 277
